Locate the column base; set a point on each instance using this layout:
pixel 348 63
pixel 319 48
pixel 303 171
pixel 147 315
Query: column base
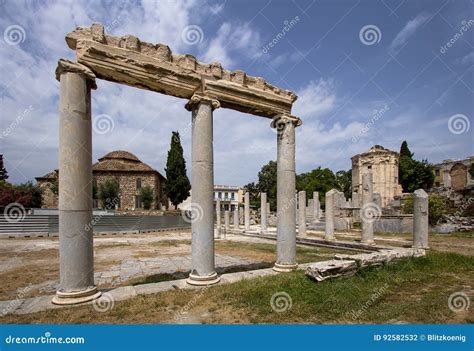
pixel 331 238
pixel 203 280
pixel 73 298
pixel 285 268
pixel 420 247
pixel 368 242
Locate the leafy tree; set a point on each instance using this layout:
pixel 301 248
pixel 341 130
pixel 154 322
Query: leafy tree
pixel 177 184
pixel 344 181
pixel 414 174
pixel 319 179
pixel 109 193
pixel 26 194
pixel 254 194
pixel 267 183
pixel 146 193
pixel 3 171
pixel 471 170
pixel 404 150
pixel 436 207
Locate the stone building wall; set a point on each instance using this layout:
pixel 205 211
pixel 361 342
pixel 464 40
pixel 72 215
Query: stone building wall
pixel 48 198
pixel 454 174
pixel 383 164
pixel 128 186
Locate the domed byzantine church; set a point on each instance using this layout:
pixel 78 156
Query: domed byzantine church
pixel 123 166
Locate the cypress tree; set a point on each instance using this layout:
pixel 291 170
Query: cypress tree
pixel 3 171
pixel 404 150
pixel 177 184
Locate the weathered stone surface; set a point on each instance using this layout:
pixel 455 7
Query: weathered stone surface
pixel 129 61
pixel 420 219
pixel 345 265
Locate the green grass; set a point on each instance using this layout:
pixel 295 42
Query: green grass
pixel 414 291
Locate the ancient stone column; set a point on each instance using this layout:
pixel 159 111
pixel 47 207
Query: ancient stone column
pixel 76 251
pixel 331 197
pixel 202 198
pixel 218 218
pixel 302 213
pixel 236 218
pixel 316 209
pixel 263 212
pixel 226 222
pixel 247 211
pixel 368 210
pixel 286 184
pixel 420 219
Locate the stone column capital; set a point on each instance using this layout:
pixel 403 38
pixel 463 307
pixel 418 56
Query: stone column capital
pixel 74 67
pixel 283 119
pixel 197 99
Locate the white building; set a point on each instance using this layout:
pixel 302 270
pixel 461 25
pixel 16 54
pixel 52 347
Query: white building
pixel 230 196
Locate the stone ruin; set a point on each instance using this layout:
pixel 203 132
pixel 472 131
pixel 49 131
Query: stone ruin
pixel 206 87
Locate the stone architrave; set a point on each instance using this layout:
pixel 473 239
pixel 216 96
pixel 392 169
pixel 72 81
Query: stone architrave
pixel 420 219
pixel 76 251
pixel 263 212
pixel 286 184
pixel 128 60
pixel 218 218
pixel 226 222
pixel 203 261
pixel 302 213
pixel 369 210
pixel 247 211
pixel 331 198
pixel 236 218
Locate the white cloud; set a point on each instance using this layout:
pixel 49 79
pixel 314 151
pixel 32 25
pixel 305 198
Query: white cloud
pixel 232 41
pixel 408 30
pixel 315 99
pixel 467 59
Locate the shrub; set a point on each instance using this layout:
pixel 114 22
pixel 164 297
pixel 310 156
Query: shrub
pixel 436 207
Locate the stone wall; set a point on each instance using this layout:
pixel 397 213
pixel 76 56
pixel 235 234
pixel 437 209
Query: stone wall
pixel 48 198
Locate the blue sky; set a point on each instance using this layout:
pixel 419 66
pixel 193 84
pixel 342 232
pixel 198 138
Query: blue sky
pixel 366 72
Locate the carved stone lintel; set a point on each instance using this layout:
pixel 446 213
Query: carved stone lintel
pixel 198 98
pixel 280 120
pixel 69 66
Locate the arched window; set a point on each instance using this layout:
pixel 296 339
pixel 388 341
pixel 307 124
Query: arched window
pixel 139 183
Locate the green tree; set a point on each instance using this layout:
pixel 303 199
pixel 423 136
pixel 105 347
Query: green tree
pixel 177 184
pixel 267 183
pixel 3 171
pixel 413 174
pixel 109 193
pixel 319 179
pixel 404 150
pixel 344 181
pixel 436 207
pixel 254 194
pixel 26 194
pixel 146 193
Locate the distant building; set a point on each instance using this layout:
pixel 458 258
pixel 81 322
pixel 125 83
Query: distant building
pixel 131 174
pixel 230 196
pixel 454 174
pixel 383 164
